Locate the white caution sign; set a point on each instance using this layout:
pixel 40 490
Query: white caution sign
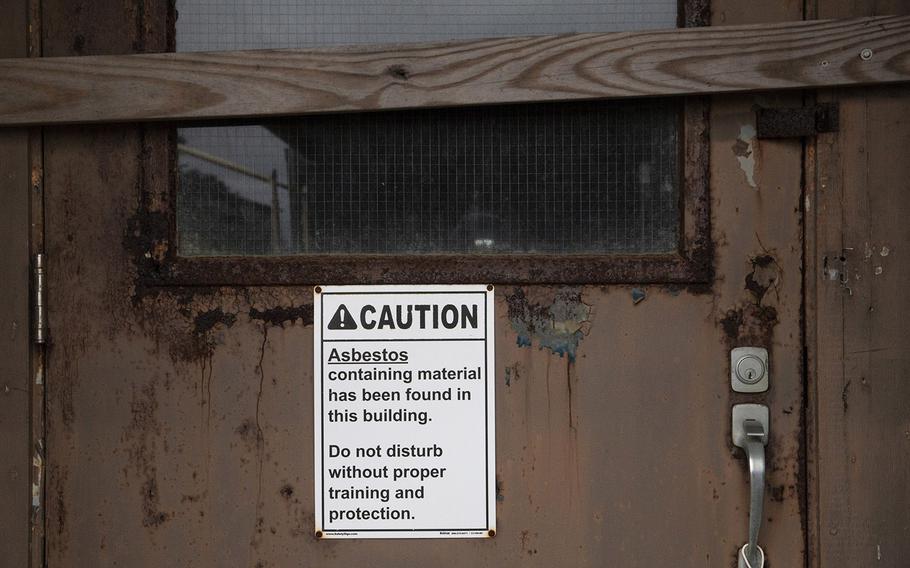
pixel 404 412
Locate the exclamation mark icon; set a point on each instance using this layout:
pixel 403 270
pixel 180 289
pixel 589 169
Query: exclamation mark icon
pixel 342 319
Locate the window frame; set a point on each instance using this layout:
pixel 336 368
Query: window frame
pixel 160 263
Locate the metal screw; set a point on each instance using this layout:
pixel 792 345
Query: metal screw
pixel 865 54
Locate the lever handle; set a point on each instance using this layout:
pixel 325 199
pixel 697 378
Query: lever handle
pixel 755 449
pixel 750 432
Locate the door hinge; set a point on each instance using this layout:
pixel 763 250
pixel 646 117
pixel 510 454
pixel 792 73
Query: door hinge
pixel 796 122
pixel 40 300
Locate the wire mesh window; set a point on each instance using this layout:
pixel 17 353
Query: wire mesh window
pixel 548 178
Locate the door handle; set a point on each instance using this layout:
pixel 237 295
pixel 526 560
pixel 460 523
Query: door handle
pixel 751 425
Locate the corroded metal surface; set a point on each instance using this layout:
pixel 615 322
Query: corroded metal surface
pixel 796 122
pixel 180 417
pixel 20 497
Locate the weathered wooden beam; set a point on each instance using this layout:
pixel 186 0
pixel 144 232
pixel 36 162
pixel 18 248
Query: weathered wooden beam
pixel 240 84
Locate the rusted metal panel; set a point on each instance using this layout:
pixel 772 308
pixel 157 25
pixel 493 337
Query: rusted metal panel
pixel 15 391
pixel 15 449
pixel 15 399
pixel 609 419
pixel 757 301
pixel 181 416
pixel 73 28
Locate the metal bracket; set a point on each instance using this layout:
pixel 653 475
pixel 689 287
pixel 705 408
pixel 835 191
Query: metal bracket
pixel 796 122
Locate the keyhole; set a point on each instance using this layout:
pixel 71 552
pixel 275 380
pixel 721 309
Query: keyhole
pixel 750 369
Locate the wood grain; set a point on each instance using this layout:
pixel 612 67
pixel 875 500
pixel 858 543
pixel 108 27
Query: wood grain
pixel 241 84
pixel 860 484
pixel 863 446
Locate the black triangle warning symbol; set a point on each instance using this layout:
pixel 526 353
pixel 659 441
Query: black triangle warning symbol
pixel 342 319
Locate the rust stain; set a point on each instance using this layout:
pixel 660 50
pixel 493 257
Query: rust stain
pixel 64 391
pixel 142 432
pixel 697 13
pixel 248 433
pixel 765 275
pixel 58 494
pixel 144 240
pixel 280 315
pixel 152 516
pixel 190 322
pixel 526 542
pixel 205 321
pixel 752 322
pixel 512 373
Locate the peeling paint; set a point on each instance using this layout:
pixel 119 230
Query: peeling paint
pixel 766 275
pixel 558 325
pixel 744 151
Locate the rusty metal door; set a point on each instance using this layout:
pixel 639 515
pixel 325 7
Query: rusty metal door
pixel 179 418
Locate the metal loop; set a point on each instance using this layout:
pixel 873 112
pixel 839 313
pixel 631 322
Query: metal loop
pixel 761 562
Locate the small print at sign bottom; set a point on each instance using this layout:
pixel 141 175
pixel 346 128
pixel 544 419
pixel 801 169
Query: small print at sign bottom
pixel 404 411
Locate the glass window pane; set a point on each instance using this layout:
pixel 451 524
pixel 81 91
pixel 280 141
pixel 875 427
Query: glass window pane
pixel 549 178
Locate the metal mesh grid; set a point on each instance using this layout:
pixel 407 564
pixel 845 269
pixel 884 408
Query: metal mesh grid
pixel 212 25
pixel 556 178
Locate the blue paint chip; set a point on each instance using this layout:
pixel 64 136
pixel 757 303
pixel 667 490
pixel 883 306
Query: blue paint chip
pixel 559 326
